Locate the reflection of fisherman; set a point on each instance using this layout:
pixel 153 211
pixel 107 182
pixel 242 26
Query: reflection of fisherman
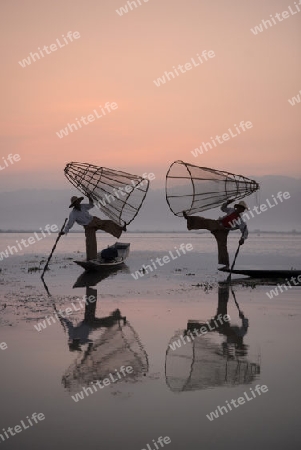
pixel 234 333
pixel 79 334
pixel 242 331
pixel 80 215
pixel 211 363
pixel 220 228
pixel 235 336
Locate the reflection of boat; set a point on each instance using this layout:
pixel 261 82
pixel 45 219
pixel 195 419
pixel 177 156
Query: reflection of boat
pixel 92 278
pixel 264 273
pixel 101 263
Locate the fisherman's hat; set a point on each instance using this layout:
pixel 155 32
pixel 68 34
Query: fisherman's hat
pixel 74 200
pixel 242 203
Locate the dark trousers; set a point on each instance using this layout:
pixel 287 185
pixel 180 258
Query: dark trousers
pixel 90 231
pixel 219 232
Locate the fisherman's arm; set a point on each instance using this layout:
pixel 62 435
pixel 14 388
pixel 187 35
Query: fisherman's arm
pixel 69 225
pixel 225 208
pixel 88 206
pixel 91 204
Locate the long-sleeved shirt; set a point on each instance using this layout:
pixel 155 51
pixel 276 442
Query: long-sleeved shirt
pixel 236 224
pixel 81 217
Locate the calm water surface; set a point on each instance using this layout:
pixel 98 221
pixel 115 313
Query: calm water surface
pixel 169 392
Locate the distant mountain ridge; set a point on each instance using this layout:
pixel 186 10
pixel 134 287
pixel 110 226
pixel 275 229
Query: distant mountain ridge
pixel 34 208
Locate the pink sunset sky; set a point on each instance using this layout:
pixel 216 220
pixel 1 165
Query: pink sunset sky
pixel 117 58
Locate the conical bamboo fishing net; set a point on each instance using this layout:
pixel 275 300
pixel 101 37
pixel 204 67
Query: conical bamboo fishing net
pixel 194 189
pixel 118 194
pixel 118 346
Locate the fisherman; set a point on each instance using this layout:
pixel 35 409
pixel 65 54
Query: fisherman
pixel 80 214
pixel 220 228
pixel 79 333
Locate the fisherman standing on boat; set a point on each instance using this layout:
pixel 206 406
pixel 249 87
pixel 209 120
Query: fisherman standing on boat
pixel 220 228
pixel 81 216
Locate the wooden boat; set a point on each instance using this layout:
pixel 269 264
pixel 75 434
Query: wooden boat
pixel 257 273
pixel 123 250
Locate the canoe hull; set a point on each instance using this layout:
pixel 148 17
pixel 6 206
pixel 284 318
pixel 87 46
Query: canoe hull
pixel 94 264
pixel 264 273
pixel 100 264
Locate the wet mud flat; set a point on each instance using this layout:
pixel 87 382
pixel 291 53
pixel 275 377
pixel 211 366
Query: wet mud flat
pixel 170 390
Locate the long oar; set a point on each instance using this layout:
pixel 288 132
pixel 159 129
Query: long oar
pixel 53 248
pixel 236 302
pixel 54 305
pixel 233 264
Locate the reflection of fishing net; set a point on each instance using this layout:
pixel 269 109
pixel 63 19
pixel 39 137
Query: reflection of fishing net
pixel 201 364
pixel 193 189
pixel 118 194
pixel 118 346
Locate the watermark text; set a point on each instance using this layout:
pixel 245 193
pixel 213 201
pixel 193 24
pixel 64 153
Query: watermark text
pixel 296 99
pixel 203 329
pixel 3 346
pixel 24 243
pixel 24 424
pixel 161 261
pixel 276 18
pixel 124 191
pixel 279 289
pixel 49 320
pixel 205 146
pixel 130 6
pixel 240 400
pixel 161 440
pixel 9 160
pixel 85 120
pixel 281 196
pixel 183 68
pixel 48 49
pixel 103 383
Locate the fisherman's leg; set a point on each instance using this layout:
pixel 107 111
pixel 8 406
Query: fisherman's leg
pixel 221 239
pixel 201 223
pixel 91 243
pixel 90 306
pixel 223 298
pixel 106 225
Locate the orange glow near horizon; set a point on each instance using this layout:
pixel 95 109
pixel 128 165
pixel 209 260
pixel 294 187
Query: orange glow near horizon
pixel 117 59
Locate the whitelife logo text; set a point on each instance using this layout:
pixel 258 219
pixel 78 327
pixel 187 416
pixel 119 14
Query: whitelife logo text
pixel 48 49
pixel 268 23
pixel 24 424
pixel 85 120
pixel 205 146
pixel 9 160
pixel 293 101
pixel 130 6
pixel 183 68
pixel 240 400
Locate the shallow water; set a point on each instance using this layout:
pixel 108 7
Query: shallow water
pixel 170 392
